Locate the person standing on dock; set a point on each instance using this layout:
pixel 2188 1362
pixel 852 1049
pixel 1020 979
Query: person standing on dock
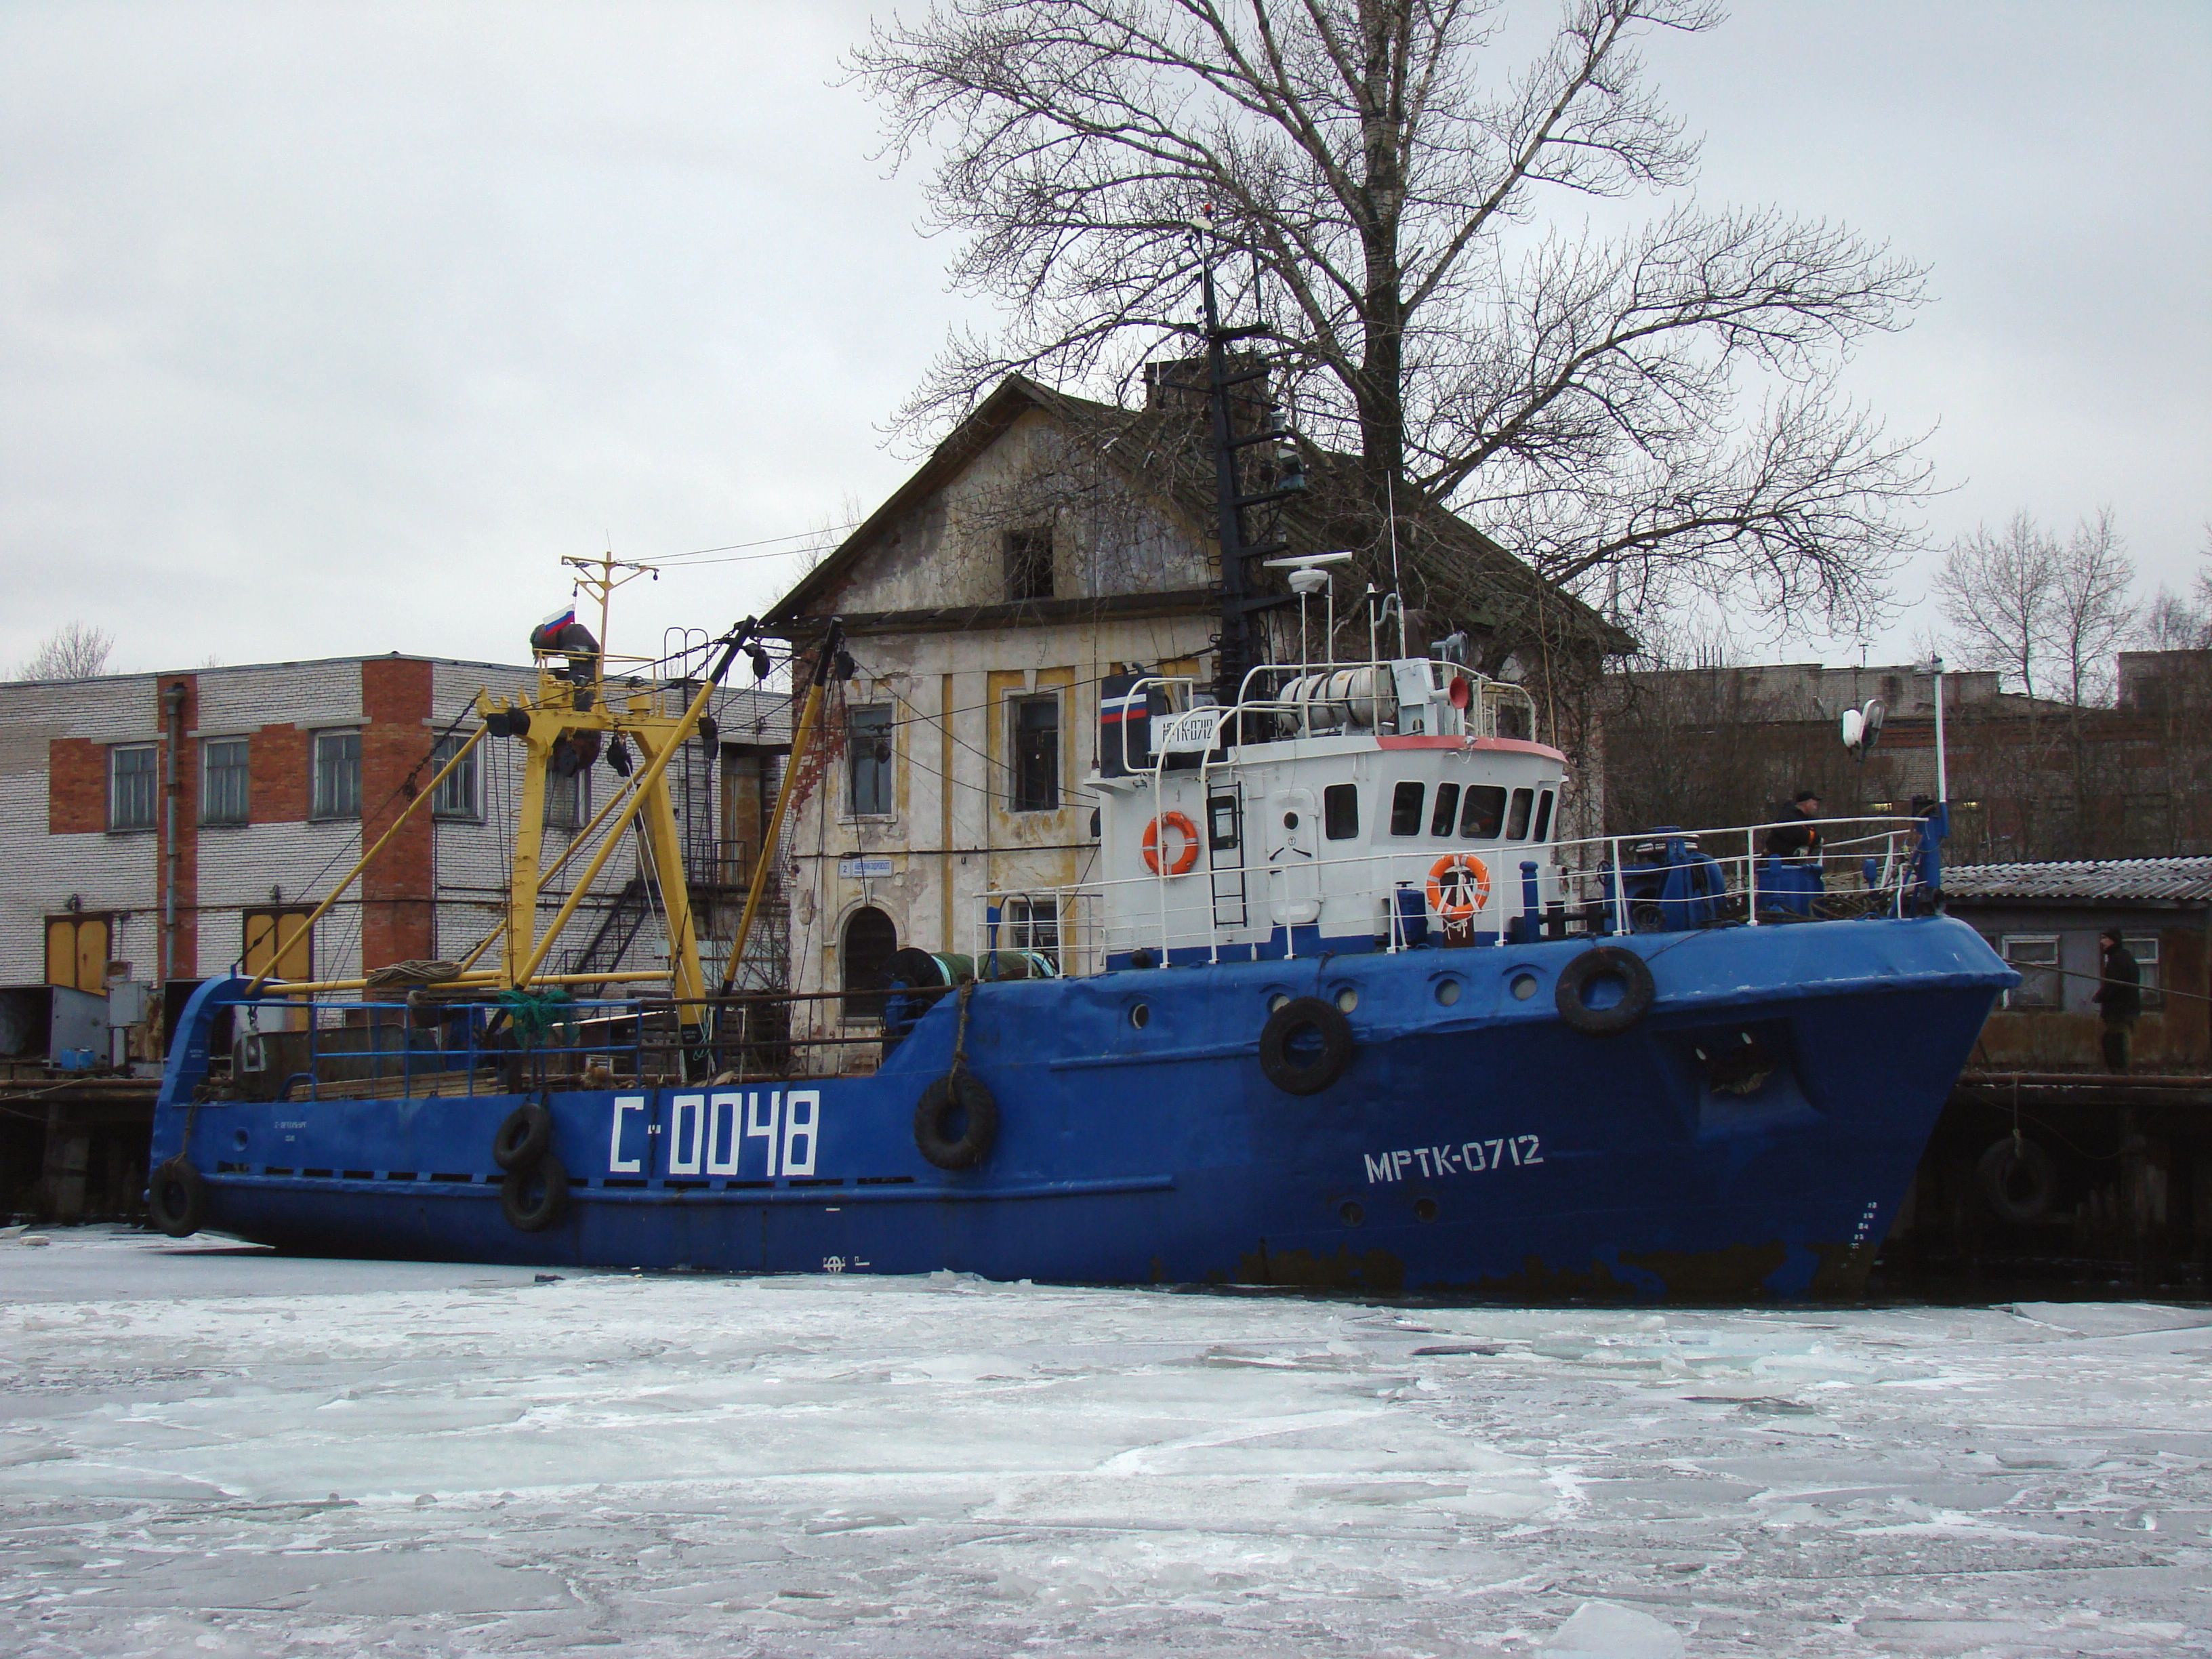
pixel 2119 996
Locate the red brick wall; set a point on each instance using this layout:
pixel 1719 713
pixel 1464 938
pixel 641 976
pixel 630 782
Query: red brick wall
pixel 395 740
pixel 183 942
pixel 280 770
pixel 76 786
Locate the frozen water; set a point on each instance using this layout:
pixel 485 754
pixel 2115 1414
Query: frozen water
pixel 207 1449
pixel 1605 1630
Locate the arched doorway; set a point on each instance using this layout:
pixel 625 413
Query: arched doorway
pixel 869 940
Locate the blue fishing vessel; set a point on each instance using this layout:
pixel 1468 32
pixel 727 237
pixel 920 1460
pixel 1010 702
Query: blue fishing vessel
pixel 1342 1009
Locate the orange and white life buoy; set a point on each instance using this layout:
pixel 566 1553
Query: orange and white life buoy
pixel 1183 860
pixel 1459 886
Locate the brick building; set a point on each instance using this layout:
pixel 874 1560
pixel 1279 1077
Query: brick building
pixel 183 822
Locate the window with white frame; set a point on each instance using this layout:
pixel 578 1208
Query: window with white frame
pixel 2144 947
pixel 455 797
pixel 2034 957
pixel 868 761
pixel 337 775
pixel 134 775
pixel 225 776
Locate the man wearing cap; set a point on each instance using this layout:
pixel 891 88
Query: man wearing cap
pixel 1797 836
pixel 2119 998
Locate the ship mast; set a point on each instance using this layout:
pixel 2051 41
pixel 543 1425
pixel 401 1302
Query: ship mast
pixel 1238 652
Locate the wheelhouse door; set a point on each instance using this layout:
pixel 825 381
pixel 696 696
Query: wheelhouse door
pixel 1292 827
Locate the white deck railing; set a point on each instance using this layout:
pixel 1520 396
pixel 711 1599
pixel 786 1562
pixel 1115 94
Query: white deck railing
pixel 1865 866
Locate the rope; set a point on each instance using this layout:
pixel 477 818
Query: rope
pixel 960 1039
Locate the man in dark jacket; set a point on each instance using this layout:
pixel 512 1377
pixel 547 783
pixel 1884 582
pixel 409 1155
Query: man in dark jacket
pixel 1795 836
pixel 2119 997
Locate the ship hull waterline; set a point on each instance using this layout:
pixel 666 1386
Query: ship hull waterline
pixel 1477 1145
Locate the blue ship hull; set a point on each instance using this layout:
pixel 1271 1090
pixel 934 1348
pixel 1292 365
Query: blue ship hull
pixel 1474 1146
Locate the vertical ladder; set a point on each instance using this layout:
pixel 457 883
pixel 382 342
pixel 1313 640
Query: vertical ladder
pixel 1224 835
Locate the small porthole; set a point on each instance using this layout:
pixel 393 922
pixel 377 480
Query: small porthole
pixel 1523 986
pixel 1290 820
pixel 1352 1214
pixel 237 1139
pixel 1424 1209
pixel 1141 1015
pixel 1347 999
pixel 1447 992
pixel 1277 1002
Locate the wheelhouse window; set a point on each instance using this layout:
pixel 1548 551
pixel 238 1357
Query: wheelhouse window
pixel 133 780
pixel 1406 808
pixel 1543 829
pixel 1517 819
pixel 1484 812
pixel 1035 731
pixel 1028 563
pixel 337 775
pixel 1340 811
pixel 1440 822
pixel 2034 956
pixel 456 797
pixel 868 760
pixel 225 775
pixel 2144 947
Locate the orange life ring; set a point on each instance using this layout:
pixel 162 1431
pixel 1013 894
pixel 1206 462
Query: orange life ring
pixel 1459 886
pixel 1185 859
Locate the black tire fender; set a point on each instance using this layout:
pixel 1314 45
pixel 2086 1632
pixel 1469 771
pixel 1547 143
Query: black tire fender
pixel 176 1198
pixel 1637 991
pixel 958 1093
pixel 2018 1180
pixel 1305 1046
pixel 535 1197
pixel 523 1137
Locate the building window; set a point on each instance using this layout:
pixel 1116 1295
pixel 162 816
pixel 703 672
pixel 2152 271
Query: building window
pixel 568 799
pixel 1339 810
pixel 868 760
pixel 1406 808
pixel 223 778
pixel 455 797
pixel 1028 563
pixel 869 942
pixel 2144 947
pixel 1483 814
pixel 1036 722
pixel 133 780
pixel 1031 924
pixel 2034 957
pixel 337 775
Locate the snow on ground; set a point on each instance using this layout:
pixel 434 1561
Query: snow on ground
pixel 209 1450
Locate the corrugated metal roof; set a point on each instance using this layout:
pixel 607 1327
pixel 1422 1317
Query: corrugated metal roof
pixel 2166 880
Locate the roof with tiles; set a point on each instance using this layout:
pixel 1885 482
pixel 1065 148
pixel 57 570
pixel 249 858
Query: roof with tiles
pixel 2170 881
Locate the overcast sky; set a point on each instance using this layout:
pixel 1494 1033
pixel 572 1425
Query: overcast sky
pixel 328 328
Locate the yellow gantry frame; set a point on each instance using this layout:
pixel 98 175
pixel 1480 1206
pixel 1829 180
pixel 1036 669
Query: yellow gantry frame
pixel 562 707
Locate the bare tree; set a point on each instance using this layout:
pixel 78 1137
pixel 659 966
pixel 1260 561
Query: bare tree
pixel 1998 594
pixel 1378 174
pixel 2092 610
pixel 74 651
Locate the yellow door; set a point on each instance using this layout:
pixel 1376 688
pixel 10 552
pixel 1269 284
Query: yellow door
pixel 76 953
pixel 265 930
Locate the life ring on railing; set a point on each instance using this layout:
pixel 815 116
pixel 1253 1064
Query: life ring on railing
pixel 1459 886
pixel 1184 859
